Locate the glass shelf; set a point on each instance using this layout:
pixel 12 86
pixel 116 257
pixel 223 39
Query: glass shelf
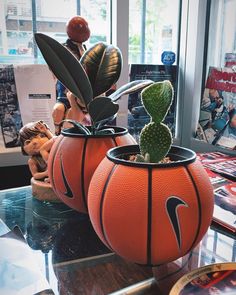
pixel 73 259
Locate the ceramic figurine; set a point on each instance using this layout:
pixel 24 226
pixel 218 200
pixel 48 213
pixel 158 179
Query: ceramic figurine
pixel 77 111
pixel 78 32
pixel 88 79
pixel 36 141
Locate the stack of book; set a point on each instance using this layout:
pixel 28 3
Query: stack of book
pixel 221 169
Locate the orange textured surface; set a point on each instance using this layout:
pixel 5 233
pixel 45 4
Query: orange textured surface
pixel 136 224
pixel 95 152
pixel 172 182
pixel 205 193
pixel 95 194
pixel 69 155
pixel 69 152
pixel 124 210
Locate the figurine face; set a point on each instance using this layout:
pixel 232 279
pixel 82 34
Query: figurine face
pixel 32 146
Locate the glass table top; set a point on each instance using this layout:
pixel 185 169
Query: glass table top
pixel 74 261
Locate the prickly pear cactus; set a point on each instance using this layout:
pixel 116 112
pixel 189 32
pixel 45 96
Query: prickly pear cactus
pixel 157 99
pixel 156 138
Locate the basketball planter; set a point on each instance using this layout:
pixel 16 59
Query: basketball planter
pixel 151 203
pixel 150 213
pixel 74 158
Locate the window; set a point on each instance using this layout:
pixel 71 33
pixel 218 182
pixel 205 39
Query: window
pixel 17 21
pixel 222 32
pixel 153 28
pixel 217 120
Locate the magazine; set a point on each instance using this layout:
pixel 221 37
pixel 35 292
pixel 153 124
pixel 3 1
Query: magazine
pixel 219 278
pixel 217 121
pixel 216 179
pixel 230 59
pixel 219 163
pixel 225 168
pixel 23 99
pixel 225 206
pixel 10 116
pixel 213 157
pixel 224 215
pixel 137 116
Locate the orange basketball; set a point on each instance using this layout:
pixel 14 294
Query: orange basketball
pixel 73 160
pixel 150 213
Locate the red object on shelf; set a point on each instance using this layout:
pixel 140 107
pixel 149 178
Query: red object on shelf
pixel 77 29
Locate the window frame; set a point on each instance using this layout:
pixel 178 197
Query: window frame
pixel 193 84
pixel 193 15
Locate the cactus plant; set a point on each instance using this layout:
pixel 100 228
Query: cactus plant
pixel 155 137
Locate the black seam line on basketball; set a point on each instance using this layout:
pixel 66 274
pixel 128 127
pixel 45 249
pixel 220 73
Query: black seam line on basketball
pixel 82 173
pixel 68 192
pixel 149 217
pixel 170 274
pixel 123 131
pixel 175 272
pixel 199 209
pixel 114 140
pixel 53 160
pixel 102 203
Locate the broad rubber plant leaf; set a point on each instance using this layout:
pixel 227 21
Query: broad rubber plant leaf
pixel 101 109
pixel 102 64
pixel 157 99
pixel 65 67
pixel 129 88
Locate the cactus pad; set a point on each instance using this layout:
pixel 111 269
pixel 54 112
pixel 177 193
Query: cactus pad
pixel 155 139
pixel 157 99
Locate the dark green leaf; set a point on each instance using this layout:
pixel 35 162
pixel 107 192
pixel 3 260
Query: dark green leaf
pixel 105 121
pixel 81 128
pixel 130 88
pixel 65 67
pixel 102 64
pixel 102 108
pixel 105 131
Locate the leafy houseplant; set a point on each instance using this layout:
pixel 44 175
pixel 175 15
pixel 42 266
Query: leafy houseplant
pixel 99 68
pixel 166 206
pixel 78 150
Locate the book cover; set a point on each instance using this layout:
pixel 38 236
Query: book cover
pixel 219 163
pixel 224 215
pixel 225 206
pixel 217 121
pixel 219 278
pixel 137 116
pixel 213 157
pixel 216 179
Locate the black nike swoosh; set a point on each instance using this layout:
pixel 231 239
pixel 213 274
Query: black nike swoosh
pixel 68 192
pixel 172 205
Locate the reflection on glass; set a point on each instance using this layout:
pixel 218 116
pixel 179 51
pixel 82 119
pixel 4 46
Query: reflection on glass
pixel 16 24
pixel 153 28
pixel 222 33
pixel 217 121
